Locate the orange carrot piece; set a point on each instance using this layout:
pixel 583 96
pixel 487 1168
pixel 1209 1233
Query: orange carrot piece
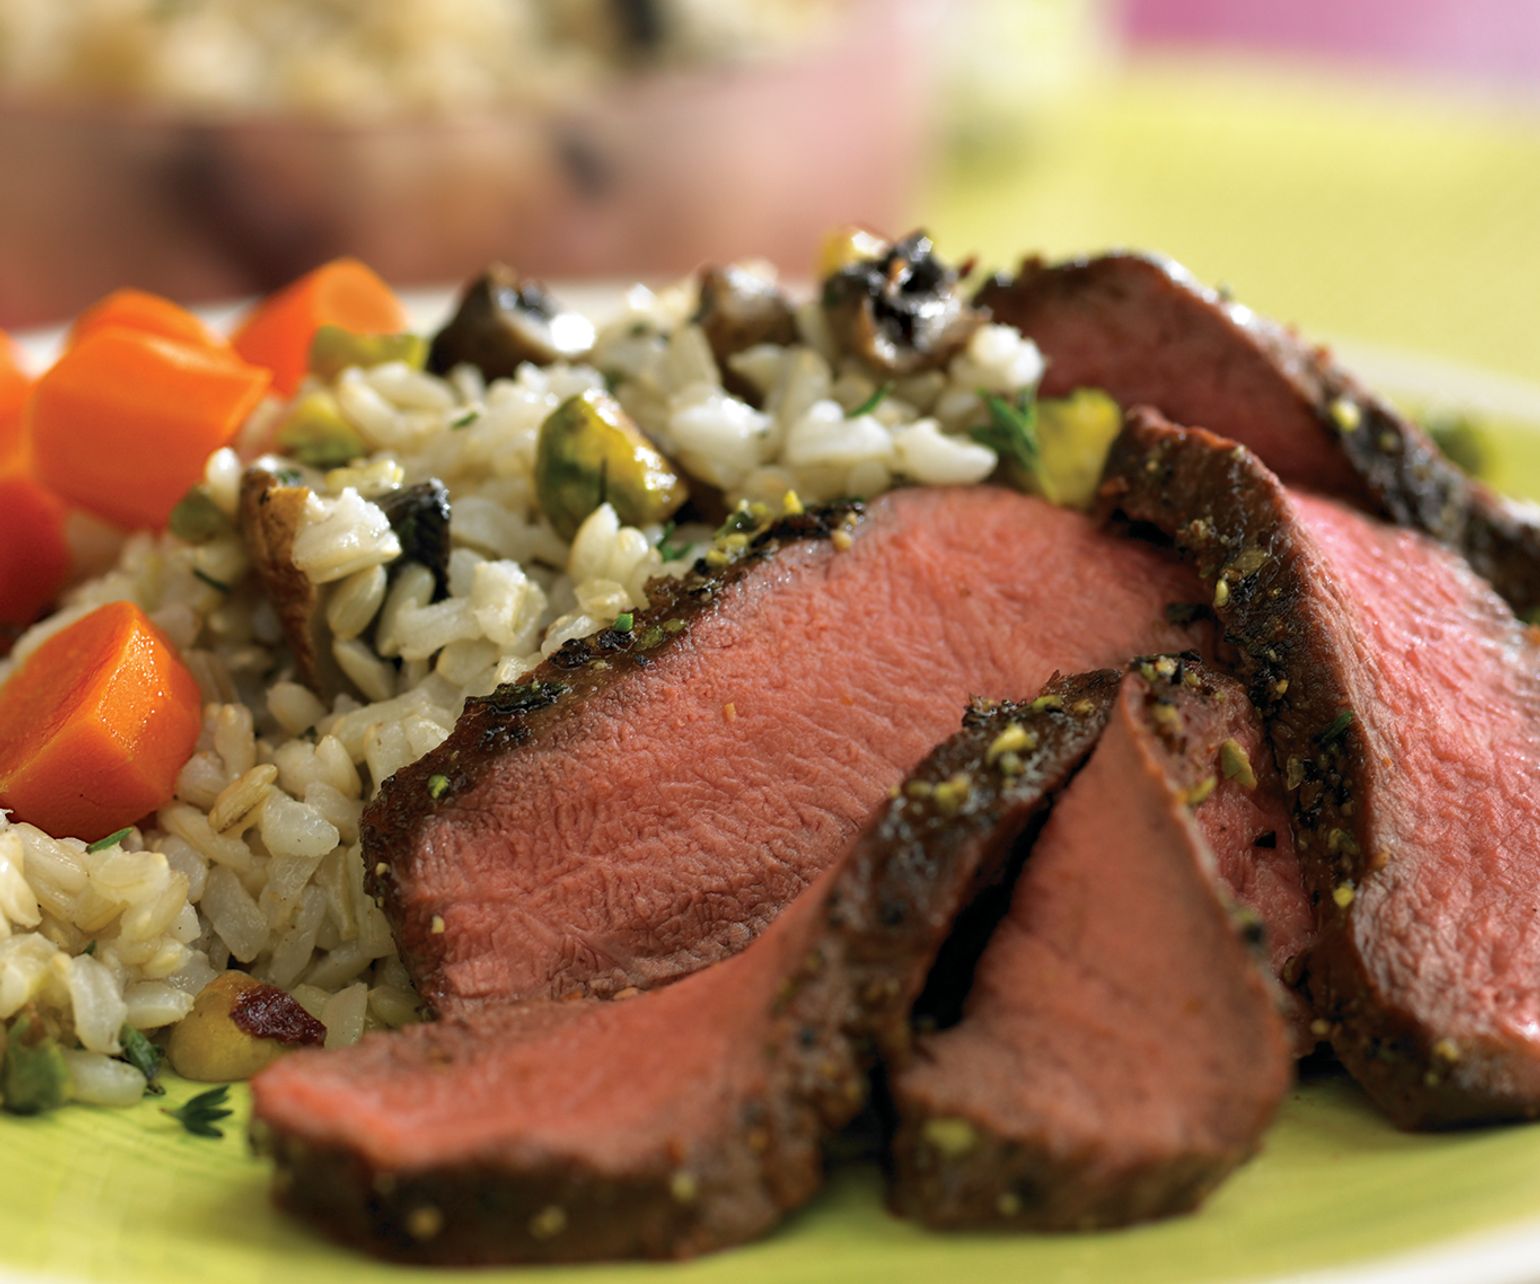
pixel 147 313
pixel 277 332
pixel 124 422
pixel 34 555
pixel 15 384
pixel 95 725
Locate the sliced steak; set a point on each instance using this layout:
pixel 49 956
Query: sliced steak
pixel 1122 1048
pixel 1403 701
pixel 686 1118
pixel 1214 744
pixel 1144 330
pixel 651 799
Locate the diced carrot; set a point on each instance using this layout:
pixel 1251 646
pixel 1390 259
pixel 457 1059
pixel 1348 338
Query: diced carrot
pixel 95 725
pixel 124 422
pixel 15 384
pixel 147 313
pixel 34 555
pixel 277 332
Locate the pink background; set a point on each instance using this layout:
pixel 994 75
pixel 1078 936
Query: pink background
pixel 1491 40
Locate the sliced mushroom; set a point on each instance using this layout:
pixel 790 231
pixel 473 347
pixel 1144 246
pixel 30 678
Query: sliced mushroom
pixel 901 312
pixel 271 513
pixel 739 309
pixel 504 321
pixel 420 517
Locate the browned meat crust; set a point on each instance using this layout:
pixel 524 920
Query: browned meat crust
pixel 750 1064
pixel 1123 1048
pixel 612 822
pixel 1431 1052
pixel 1143 329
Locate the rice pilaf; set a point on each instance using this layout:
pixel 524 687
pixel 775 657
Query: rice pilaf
pixel 256 862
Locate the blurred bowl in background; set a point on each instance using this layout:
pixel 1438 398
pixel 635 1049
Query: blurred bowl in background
pixel 650 175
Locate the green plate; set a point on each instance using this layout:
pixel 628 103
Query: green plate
pixel 127 1196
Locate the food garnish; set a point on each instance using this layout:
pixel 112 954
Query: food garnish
pixel 199 1114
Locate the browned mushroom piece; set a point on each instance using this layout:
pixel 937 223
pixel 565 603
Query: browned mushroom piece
pixel 739 309
pixel 902 312
pixel 503 321
pixel 271 511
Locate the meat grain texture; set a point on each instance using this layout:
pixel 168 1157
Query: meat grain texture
pixel 686 1118
pixel 1402 699
pixel 1122 1048
pixel 1144 330
pixel 648 801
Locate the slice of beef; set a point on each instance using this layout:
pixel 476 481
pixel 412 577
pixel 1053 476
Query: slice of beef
pixel 685 1118
pixel 1122 1048
pixel 1146 331
pixel 1213 744
pixel 649 800
pixel 1403 702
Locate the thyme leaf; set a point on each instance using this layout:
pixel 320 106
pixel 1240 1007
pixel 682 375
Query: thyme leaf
pixel 879 395
pixel 1012 428
pixel 1339 725
pixel 144 1056
pixel 200 1114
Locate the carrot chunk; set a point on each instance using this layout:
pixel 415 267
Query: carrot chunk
pixel 14 387
pixel 34 555
pixel 147 313
pixel 95 725
pixel 277 332
pixel 124 422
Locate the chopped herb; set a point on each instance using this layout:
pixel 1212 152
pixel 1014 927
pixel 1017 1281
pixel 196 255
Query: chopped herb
pixel 882 393
pixel 112 840
pixel 1012 428
pixel 144 1056
pixel 465 420
pixel 673 626
pixel 667 549
pixel 650 637
pixel 438 786
pixel 199 1115
pixel 90 949
pixel 288 477
pixel 210 580
pixel 624 622
pixel 741 521
pixel 1339 724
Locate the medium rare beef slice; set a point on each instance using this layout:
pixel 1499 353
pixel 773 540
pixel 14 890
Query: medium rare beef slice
pixel 1122 1048
pixel 1144 330
pixel 650 799
pixel 685 1118
pixel 1213 746
pixel 1403 704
